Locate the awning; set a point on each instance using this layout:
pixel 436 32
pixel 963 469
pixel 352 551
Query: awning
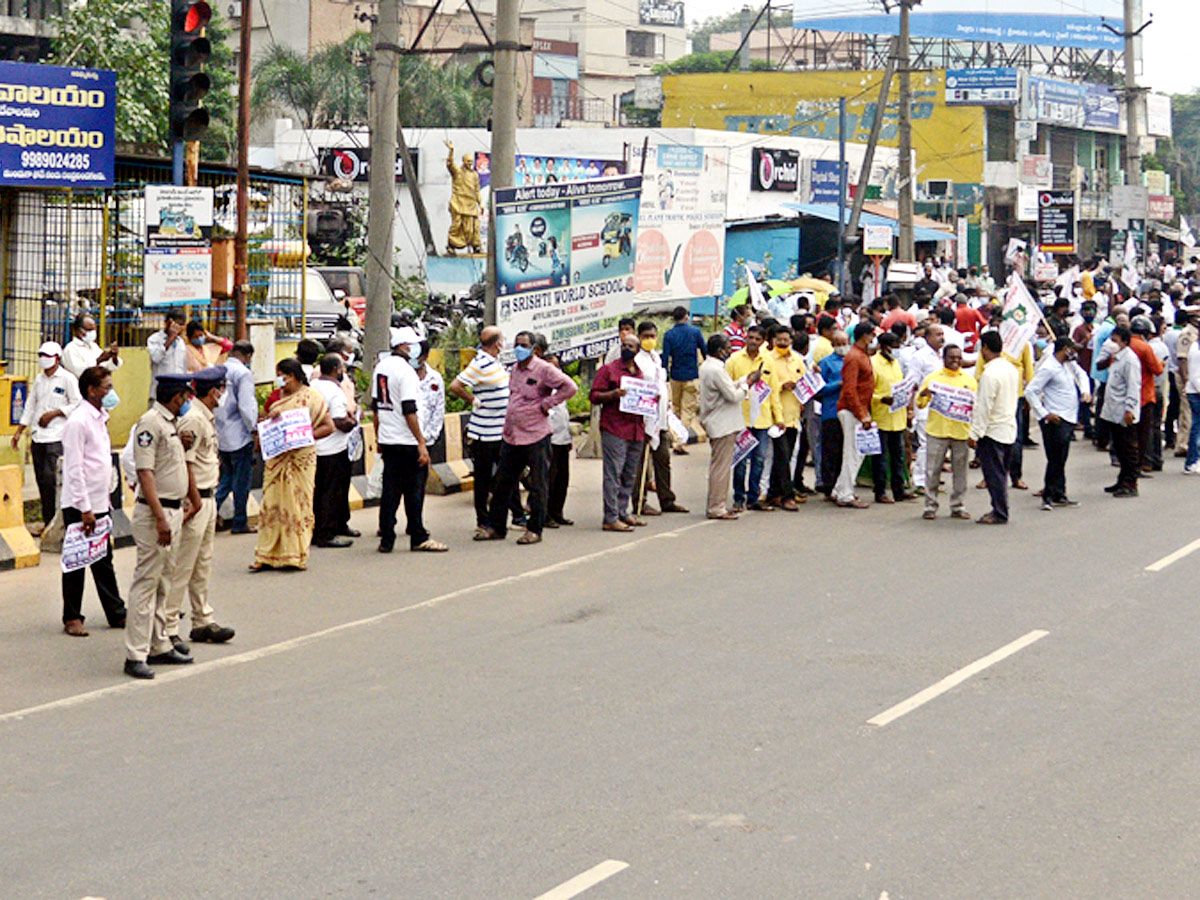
pixel 829 212
pixel 1166 232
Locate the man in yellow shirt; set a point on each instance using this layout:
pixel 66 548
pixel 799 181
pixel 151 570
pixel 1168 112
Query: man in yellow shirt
pixel 747 475
pixel 888 374
pixel 787 368
pixel 945 433
pixel 823 347
pixel 1025 370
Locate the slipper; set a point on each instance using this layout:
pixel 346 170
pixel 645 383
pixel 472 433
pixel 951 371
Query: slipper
pixel 961 514
pixel 75 628
pixel 726 515
pixel 483 534
pixel 616 526
pixel 529 538
pixel 430 546
pixel 852 504
pixel 929 514
pixel 634 520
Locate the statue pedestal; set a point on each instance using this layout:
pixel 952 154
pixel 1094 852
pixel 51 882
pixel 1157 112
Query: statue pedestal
pixel 454 274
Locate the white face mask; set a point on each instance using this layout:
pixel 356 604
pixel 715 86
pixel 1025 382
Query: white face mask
pixel 90 336
pixel 48 362
pixel 279 381
pixel 842 350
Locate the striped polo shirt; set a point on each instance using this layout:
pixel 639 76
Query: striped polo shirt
pixel 488 380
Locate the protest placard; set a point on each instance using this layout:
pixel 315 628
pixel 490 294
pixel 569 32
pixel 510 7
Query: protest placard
pixel 953 403
pixel 640 397
pixel 289 430
pixel 744 446
pixel 79 549
pixel 678 428
pixel 807 387
pixel 902 392
pixel 759 392
pixel 867 440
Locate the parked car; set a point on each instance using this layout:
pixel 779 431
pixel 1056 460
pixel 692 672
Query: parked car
pixel 349 284
pixel 322 310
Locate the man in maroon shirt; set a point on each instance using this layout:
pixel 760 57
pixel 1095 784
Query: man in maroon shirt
pixel 854 410
pixel 622 436
pixel 1082 336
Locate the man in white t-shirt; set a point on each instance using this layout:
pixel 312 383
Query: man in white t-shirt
pixel 331 500
pixel 51 400
pixel 395 398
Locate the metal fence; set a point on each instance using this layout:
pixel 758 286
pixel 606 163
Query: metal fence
pixel 66 251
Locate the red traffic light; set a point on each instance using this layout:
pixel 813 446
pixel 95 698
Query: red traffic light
pixel 198 15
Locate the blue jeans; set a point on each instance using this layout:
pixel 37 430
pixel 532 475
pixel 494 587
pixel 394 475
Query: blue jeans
pixel 237 468
pixel 744 494
pixel 1193 454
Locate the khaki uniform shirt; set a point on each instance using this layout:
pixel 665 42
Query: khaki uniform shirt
pixel 159 449
pixel 206 464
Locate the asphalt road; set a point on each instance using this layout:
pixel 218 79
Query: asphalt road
pixel 692 701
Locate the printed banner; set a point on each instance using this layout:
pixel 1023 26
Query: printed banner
pixel 640 397
pixel 1018 322
pixel 177 265
pixel 955 404
pixel 807 387
pixel 80 550
pixel 681 223
pixel 288 431
pixel 902 392
pixel 565 261
pixel 868 440
pixel 759 392
pixel 744 446
pixel 982 86
pixel 534 170
pixel 57 126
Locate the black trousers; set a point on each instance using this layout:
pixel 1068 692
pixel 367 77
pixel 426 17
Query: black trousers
pixel 103 576
pixel 660 459
pixel 45 473
pixel 1150 436
pixel 780 486
pixel 513 460
pixel 1103 430
pixel 485 457
pixel 1125 445
pixel 331 499
pixel 889 463
pixel 801 456
pixel 1171 420
pixel 831 455
pixel 994 460
pixel 560 480
pixel 1056 439
pixel 402 477
pixel 1016 457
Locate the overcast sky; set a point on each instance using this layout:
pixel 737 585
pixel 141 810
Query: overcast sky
pixel 1171 52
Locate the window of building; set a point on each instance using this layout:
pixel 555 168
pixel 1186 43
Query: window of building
pixel 645 45
pixel 1001 136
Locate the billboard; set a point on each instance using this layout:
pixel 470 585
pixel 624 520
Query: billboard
pixel 354 163
pixel 774 170
pixel 565 259
pixel 681 224
pixel 533 170
pixel 57 126
pixel 1056 221
pixel 985 21
pixel 661 12
pixel 984 87
pixel 1071 104
pixel 177 266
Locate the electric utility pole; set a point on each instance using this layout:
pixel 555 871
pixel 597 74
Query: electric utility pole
pixel 504 129
pixel 905 251
pixel 381 210
pixel 1134 26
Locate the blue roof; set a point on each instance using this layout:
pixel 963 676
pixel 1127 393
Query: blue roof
pixel 829 212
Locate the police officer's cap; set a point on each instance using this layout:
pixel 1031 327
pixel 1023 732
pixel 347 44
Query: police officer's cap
pixel 172 384
pixel 207 379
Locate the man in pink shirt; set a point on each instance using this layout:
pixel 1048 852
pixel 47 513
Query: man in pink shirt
pixel 534 387
pixel 87 472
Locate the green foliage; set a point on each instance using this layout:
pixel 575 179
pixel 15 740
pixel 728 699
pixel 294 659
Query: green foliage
pixel 580 405
pixel 410 292
pixel 351 249
pixel 134 42
pixel 706 62
pixel 1181 155
pixel 733 22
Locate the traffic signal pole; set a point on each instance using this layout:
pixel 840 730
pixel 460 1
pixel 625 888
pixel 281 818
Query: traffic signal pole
pixel 241 255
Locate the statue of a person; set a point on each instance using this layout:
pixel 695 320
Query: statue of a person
pixel 465 204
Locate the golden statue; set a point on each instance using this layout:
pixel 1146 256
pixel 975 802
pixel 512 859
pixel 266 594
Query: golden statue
pixel 465 204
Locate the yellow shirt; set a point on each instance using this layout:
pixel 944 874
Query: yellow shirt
pixel 821 349
pixel 938 425
pixel 887 374
pixel 785 408
pixel 739 365
pixel 1088 284
pixel 1024 367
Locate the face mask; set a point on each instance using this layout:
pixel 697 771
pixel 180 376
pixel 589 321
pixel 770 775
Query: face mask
pixel 783 352
pixel 90 336
pixel 1040 343
pixel 648 344
pixel 110 400
pixel 414 351
pixel 1089 317
pixel 183 410
pixel 842 350
pixel 279 381
pixel 522 353
pixel 627 354
pixel 198 342
pixel 872 347
pixel 349 360
pixel 414 362
pixel 47 362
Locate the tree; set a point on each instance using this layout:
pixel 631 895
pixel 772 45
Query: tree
pixel 701 31
pixel 1181 155
pixel 134 41
pixel 706 62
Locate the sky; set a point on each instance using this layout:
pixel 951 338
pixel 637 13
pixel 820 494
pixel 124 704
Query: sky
pixel 1171 50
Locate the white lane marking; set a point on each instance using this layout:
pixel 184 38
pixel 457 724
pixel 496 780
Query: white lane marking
pixel 177 674
pixel 955 679
pixel 1173 557
pixel 582 882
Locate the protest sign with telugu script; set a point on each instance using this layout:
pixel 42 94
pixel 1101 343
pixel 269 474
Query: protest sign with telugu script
pixel 902 392
pixel 80 550
pixel 640 397
pixel 867 440
pixel 288 431
pixel 955 404
pixel 807 387
pixel 759 392
pixel 744 446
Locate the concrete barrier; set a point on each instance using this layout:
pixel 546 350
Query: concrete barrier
pixel 18 550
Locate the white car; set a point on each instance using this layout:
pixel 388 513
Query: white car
pixel 321 309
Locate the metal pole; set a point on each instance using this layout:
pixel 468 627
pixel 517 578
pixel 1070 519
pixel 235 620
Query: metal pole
pixel 904 201
pixel 864 173
pixel 841 243
pixel 176 162
pixel 104 225
pixel 744 49
pixel 381 212
pixel 241 253
pixel 504 129
pixel 1133 143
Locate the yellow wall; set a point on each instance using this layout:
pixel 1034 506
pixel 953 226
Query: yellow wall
pixel 948 140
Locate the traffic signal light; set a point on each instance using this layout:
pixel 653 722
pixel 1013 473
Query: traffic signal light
pixel 190 50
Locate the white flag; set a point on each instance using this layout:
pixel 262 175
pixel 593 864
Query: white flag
pixel 757 301
pixel 1019 318
pixel 1129 273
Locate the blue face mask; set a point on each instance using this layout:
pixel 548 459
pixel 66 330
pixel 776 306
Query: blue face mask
pixel 198 341
pixel 183 410
pixel 110 399
pixel 522 353
pixel 1041 343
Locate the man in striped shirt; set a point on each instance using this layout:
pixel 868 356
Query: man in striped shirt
pixel 484 384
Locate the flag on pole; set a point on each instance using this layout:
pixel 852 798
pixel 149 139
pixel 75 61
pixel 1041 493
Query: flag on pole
pixel 1129 273
pixel 1185 233
pixel 757 301
pixel 1019 317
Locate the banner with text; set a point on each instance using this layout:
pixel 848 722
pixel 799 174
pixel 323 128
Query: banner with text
pixel 177 266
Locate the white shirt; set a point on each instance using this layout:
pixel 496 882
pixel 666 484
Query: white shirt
pixel 87 460
pixel 1193 382
pixel 431 408
pixel 166 360
pixel 560 425
pixel 1055 389
pixel 80 354
pixel 395 387
pixel 335 398
pixel 59 391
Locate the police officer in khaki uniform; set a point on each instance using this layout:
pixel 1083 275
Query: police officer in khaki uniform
pixel 192 567
pixel 163 483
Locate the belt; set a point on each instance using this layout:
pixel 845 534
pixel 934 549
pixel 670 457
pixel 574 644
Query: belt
pixel 205 493
pixel 169 504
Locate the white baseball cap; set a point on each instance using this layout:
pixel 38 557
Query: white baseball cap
pixel 50 348
pixel 405 335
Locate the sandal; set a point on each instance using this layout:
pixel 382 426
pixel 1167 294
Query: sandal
pixel 430 546
pixel 75 628
pixel 616 526
pixel 634 520
pixel 529 537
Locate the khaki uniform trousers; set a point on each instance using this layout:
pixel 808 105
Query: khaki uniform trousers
pixel 1184 426
pixel 145 619
pixel 685 400
pixel 720 473
pixel 192 568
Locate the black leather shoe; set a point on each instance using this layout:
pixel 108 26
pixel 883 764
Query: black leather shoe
pixel 386 546
pixel 350 532
pixel 334 542
pixel 171 658
pixel 135 668
pixel 212 634
pixel 180 645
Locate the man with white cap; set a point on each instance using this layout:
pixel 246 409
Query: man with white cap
pixel 54 395
pixel 395 393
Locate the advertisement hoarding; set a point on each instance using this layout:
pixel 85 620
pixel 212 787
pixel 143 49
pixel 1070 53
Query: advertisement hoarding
pixel 57 126
pixel 681 224
pixel 823 182
pixel 1056 221
pixel 354 163
pixel 661 12
pixel 1162 207
pixel 565 260
pixel 982 87
pixel 177 266
pixel 537 169
pixel 774 170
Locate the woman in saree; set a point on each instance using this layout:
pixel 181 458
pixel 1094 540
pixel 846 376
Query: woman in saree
pixel 285 522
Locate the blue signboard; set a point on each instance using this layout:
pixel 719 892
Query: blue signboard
pixel 982 87
pixel 677 156
pixel 1011 22
pixel 1101 108
pixel 1055 102
pixel 823 177
pixel 57 126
